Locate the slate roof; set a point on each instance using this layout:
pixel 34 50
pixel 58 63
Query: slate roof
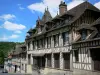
pixel 46 16
pixel 80 9
pixel 30 31
pixel 18 49
pixel 77 11
pixel 23 45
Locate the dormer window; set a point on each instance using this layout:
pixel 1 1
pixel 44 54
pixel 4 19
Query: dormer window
pixel 56 40
pixel 84 34
pixel 65 36
pixel 28 45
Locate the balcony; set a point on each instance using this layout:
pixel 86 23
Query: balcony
pixel 52 50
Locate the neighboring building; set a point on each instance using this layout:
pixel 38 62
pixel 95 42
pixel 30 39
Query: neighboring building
pixel 16 61
pixel 54 44
pixel 23 59
pixel 7 62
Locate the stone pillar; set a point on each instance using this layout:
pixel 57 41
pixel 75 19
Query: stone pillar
pixel 27 58
pixel 61 60
pixel 71 61
pixel 52 60
pixel 52 41
pixel 60 40
pixel 46 61
pixel 31 59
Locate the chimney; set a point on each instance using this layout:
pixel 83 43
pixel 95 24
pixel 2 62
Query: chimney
pixel 62 8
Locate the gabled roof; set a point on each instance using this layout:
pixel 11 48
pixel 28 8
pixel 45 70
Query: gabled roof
pixel 81 8
pixel 77 11
pixel 47 16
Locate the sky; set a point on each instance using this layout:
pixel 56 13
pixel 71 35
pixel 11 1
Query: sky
pixel 18 16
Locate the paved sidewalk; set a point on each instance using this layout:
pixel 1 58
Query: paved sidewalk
pixel 19 73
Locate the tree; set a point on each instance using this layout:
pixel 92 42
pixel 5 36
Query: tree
pixel 2 57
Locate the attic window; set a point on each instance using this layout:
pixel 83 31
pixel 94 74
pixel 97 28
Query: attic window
pixel 28 45
pixel 65 36
pixel 84 34
pixel 56 40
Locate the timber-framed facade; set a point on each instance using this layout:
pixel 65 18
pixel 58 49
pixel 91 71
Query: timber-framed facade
pixel 88 49
pixel 67 41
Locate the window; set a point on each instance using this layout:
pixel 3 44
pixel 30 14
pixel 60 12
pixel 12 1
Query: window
pixel 84 34
pixel 28 45
pixel 65 38
pixel 76 55
pixel 56 40
pixel 42 43
pixel 33 42
pixel 48 42
pixel 38 44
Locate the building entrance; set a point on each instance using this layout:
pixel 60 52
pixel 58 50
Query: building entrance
pixel 39 62
pixel 66 57
pixel 95 54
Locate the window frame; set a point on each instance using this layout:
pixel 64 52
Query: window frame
pixel 65 38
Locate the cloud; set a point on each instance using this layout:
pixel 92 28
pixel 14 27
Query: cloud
pixel 3 38
pixel 0 26
pixel 53 5
pixel 18 31
pixel 20 7
pixel 13 36
pixel 13 26
pixel 7 17
pixel 6 37
pixel 74 3
pixel 40 7
pixel 97 5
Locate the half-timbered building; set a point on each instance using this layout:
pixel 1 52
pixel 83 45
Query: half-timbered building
pixel 66 42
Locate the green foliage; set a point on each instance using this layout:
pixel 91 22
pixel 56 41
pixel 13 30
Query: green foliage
pixel 5 47
pixel 2 57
